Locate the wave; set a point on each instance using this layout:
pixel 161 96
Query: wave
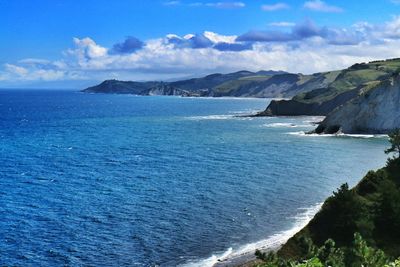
pixel 211 117
pixel 285 125
pixel 302 133
pixel 314 119
pixel 236 116
pixel 240 255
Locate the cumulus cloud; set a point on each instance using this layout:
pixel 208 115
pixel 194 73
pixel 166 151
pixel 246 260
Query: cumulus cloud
pixel 321 6
pixel 194 41
pixel 87 49
pixel 299 31
pixel 275 7
pixel 217 38
pixel 233 47
pixel 130 45
pixel 304 47
pixel 306 30
pixel 205 40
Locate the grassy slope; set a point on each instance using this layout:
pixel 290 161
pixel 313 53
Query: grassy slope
pixel 354 77
pixel 372 208
pixel 281 85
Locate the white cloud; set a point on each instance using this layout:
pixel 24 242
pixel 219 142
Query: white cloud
pixel 321 6
pixel 392 28
pixel 14 69
pixel 226 4
pixel 161 59
pixel 275 7
pixel 282 24
pixel 87 48
pixel 222 5
pixel 218 38
pixel 171 3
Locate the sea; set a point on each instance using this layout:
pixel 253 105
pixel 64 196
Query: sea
pixel 124 180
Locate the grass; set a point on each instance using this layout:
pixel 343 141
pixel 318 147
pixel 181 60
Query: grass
pixel 363 76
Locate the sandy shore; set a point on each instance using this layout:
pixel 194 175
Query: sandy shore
pixel 246 260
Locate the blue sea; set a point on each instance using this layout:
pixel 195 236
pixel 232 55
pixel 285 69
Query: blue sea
pixel 121 180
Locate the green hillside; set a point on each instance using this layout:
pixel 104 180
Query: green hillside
pixel 370 210
pixel 345 85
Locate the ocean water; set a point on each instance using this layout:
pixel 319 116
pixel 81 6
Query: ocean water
pixel 119 180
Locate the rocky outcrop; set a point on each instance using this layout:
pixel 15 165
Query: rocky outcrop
pixel 376 111
pixel 164 89
pixel 297 108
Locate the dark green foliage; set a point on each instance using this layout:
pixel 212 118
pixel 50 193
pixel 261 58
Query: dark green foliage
pixel 394 139
pixel 340 225
pixel 363 255
pixel 356 255
pixel 331 255
pixel 372 209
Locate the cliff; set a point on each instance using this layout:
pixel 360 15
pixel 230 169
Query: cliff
pixel 347 84
pixel 375 110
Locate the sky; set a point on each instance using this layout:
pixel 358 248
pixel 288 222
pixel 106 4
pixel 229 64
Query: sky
pixel 74 44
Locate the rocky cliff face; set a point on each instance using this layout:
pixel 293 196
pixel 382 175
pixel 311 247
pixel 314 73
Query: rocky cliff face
pixel 164 89
pixel 297 108
pixel 376 111
pixel 338 88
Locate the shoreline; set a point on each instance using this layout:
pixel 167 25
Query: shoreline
pixel 243 256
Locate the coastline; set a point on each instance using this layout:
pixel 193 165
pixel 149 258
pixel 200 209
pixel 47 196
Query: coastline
pixel 243 256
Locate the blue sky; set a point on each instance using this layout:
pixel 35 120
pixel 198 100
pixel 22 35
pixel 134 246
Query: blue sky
pixel 76 43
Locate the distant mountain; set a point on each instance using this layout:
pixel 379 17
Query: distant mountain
pixel 237 84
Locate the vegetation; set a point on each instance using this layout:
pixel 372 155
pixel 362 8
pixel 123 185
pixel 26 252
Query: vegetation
pixel 359 254
pixel 321 97
pixel 355 227
pixel 394 139
pixel 357 76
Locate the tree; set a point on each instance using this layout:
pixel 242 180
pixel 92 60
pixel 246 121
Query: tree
pixel 363 255
pixel 394 139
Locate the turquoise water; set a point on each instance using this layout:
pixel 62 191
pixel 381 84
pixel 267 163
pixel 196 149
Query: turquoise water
pixel 101 180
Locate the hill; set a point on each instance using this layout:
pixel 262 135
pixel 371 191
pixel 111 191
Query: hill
pixel 237 84
pixel 354 227
pixel 344 86
pixel 372 208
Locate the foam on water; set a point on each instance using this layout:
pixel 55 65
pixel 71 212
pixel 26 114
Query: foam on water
pixel 211 117
pixel 285 125
pixel 236 116
pixel 246 252
pixel 302 133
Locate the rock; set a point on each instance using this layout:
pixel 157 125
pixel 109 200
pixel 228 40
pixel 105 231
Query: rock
pixel 376 111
